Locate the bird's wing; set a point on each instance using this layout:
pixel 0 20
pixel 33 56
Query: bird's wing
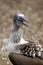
pixel 22 43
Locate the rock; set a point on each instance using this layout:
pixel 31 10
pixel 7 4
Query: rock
pixel 7 62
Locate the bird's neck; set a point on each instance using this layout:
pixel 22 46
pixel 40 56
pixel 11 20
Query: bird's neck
pixel 17 27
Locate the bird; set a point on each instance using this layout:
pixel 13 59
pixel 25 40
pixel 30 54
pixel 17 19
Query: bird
pixel 16 40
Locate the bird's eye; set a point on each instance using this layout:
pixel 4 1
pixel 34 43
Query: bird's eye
pixel 20 19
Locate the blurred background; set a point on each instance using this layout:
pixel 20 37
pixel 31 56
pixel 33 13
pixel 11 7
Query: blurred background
pixel 33 11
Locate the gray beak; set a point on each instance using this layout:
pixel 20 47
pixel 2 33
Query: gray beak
pixel 25 22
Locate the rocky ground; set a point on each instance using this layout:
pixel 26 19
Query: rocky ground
pixel 32 9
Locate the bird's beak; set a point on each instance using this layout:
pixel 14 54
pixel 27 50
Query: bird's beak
pixel 25 22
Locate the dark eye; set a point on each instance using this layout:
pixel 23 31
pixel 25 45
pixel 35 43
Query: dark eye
pixel 20 19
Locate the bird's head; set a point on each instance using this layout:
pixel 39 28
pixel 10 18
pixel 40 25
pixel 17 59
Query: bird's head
pixel 19 19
